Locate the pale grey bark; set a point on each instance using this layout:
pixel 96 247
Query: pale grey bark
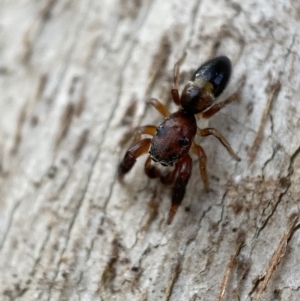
pixel 74 80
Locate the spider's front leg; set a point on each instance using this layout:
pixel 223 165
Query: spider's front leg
pixel 138 148
pixel 131 155
pixel 143 130
pixel 162 109
pixel 184 173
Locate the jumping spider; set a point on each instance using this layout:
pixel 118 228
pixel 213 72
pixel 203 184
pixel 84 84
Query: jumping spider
pixel 174 137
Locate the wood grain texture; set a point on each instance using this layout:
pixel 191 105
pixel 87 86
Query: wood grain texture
pixel 74 80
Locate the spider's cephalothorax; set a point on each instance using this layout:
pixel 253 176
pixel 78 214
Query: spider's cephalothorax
pixel 172 140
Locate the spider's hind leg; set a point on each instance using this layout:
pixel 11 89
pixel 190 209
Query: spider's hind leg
pixel 199 151
pixel 215 133
pixel 174 91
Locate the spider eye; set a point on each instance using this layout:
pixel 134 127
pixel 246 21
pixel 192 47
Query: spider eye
pixel 184 141
pixel 160 130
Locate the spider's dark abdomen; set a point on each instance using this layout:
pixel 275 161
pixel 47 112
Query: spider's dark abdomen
pixel 217 71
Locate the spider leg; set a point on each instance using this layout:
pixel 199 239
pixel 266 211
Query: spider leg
pixel 217 107
pixel 162 109
pixel 131 155
pixel 199 151
pixel 146 129
pixel 214 132
pixel 174 91
pixel 184 173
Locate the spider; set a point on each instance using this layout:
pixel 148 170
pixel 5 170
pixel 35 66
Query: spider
pixel 173 139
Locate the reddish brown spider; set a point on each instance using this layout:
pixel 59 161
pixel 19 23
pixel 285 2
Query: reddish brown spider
pixel 174 137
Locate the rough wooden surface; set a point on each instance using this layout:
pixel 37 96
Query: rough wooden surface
pixel 74 79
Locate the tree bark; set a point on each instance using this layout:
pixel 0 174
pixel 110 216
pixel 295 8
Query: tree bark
pixel 74 80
